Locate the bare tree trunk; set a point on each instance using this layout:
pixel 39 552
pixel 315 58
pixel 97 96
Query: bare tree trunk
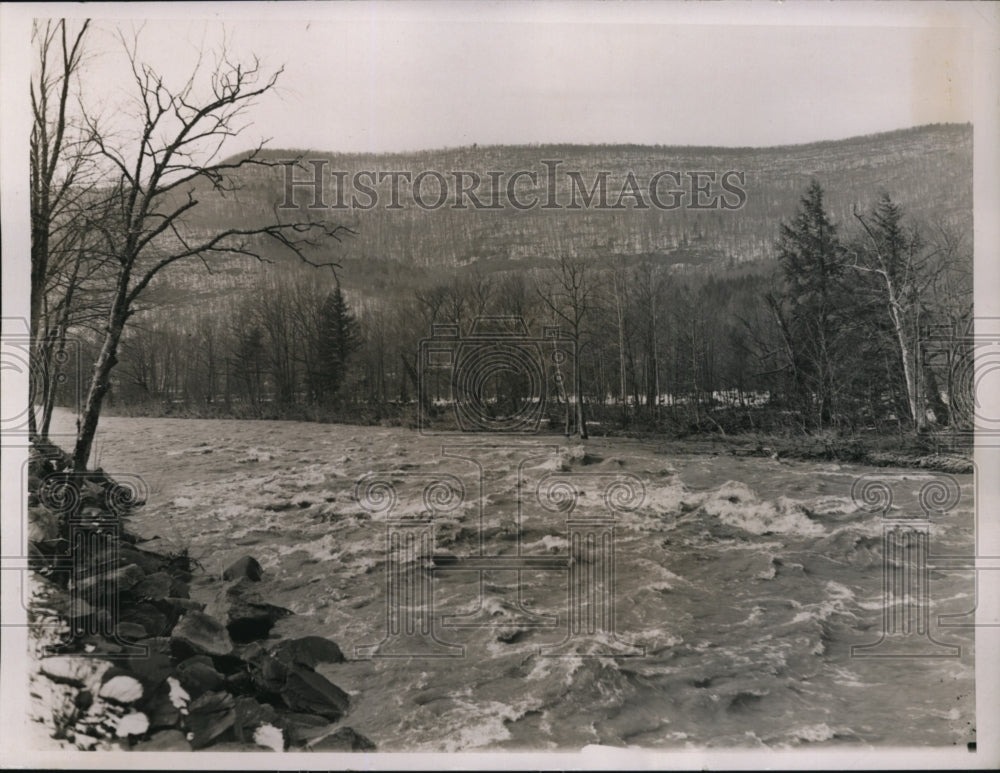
pixel 621 352
pixel 909 376
pixel 99 385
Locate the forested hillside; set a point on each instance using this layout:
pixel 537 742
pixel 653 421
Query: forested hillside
pixel 799 299
pixel 927 170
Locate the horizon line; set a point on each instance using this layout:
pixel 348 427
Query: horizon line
pixel 493 146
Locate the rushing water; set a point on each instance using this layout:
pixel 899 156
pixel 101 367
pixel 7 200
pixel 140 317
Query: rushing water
pixel 739 585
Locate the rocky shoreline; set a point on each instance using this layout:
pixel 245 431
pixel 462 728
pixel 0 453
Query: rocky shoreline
pixel 140 665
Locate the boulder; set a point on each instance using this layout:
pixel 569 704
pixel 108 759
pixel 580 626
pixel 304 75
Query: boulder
pixel 247 615
pixel 154 586
pixel 209 716
pixel 239 683
pixel 344 739
pixel 179 589
pixel 248 567
pixel 150 563
pixel 160 709
pixel 251 714
pixel 122 688
pixel 130 631
pixel 74 671
pixel 149 617
pixel 302 728
pixel 199 634
pixel 103 584
pixel 43 525
pixel 164 741
pixel 198 675
pixel 173 606
pixel 132 724
pixel 268 675
pixel 307 651
pixel 229 664
pixel 306 691
pixel 152 666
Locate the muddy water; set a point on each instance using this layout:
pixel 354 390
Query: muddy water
pixel 735 590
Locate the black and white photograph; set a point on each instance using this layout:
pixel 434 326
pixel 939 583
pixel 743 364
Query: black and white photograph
pixel 506 385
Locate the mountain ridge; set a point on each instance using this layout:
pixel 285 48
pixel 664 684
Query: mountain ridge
pixel 927 170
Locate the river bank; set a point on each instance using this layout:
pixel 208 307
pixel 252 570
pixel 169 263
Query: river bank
pixel 124 659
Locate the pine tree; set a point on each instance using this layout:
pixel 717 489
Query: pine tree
pixel 337 338
pixel 812 262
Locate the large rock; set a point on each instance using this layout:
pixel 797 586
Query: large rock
pixel 209 716
pixel 130 631
pixel 343 739
pixel 164 741
pixel 311 693
pixel 198 675
pixel 153 666
pixel 160 709
pixel 150 563
pixel 200 634
pixel 300 729
pixel 240 683
pixel 122 688
pixel 250 715
pixel 268 675
pixel 247 615
pixel 307 651
pixel 248 567
pixel 299 688
pixel 149 617
pixel 43 525
pixel 103 584
pixel 173 606
pixel 154 586
pixel 74 671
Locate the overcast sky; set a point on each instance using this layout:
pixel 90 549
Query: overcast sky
pixel 375 77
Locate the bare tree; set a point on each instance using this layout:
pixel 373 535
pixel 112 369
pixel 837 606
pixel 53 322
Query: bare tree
pixel 619 281
pixel 60 184
pixel 895 257
pixel 157 184
pixel 569 295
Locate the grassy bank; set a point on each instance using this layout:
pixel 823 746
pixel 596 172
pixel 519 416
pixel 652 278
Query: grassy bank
pixel 760 432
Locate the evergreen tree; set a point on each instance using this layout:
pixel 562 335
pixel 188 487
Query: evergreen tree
pixel 337 338
pixel 248 364
pixel 810 314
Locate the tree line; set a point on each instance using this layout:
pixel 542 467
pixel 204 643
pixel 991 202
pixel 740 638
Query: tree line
pixel 841 330
pixel 830 332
